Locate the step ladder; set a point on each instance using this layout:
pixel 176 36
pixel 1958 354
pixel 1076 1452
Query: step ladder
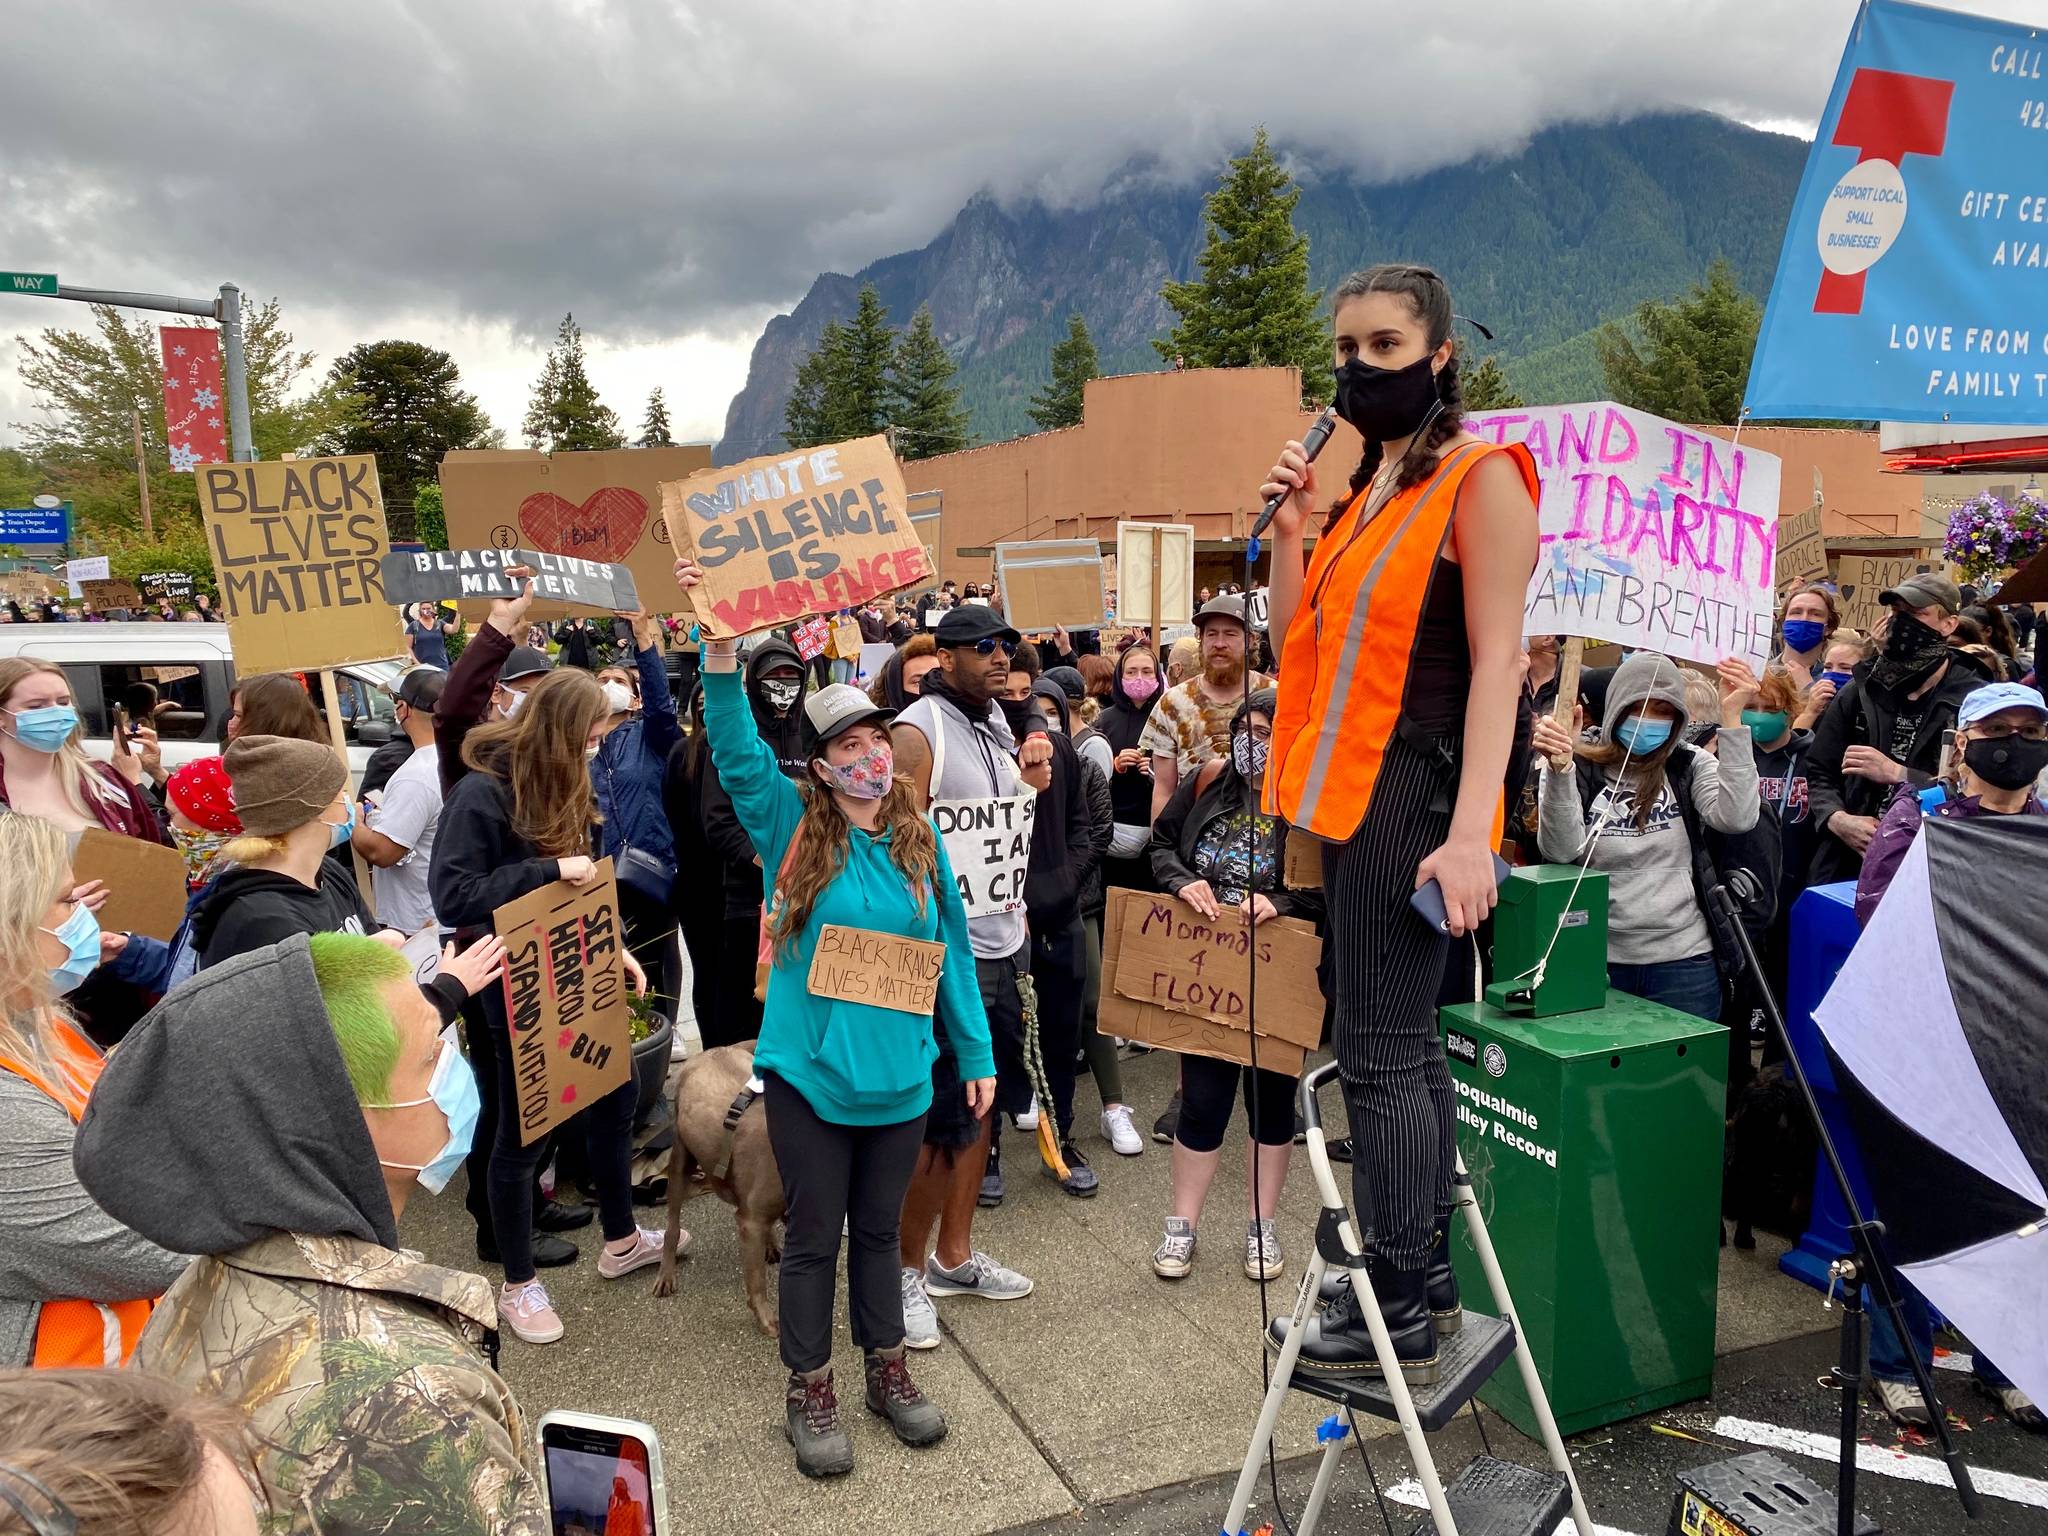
pixel 1489 1497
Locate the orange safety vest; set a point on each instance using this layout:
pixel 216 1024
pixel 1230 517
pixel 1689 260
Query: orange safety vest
pixel 68 1331
pixel 1350 651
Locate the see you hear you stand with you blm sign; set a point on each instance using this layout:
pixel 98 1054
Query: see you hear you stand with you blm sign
pixel 783 537
pixel 1653 535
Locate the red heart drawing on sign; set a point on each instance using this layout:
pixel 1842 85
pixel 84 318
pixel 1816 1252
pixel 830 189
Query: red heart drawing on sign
pixel 605 527
pixel 562 1040
pixel 569 1094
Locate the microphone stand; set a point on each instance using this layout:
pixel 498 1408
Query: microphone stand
pixel 1865 1264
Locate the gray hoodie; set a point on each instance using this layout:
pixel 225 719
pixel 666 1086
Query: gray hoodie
pixel 227 1116
pixel 1652 913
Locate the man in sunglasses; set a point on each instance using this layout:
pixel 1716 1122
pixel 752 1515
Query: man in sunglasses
pixel 957 748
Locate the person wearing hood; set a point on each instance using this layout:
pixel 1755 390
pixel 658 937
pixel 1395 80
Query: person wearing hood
pixel 199 801
pixel 698 905
pixel 773 680
pixel 900 679
pixel 1885 725
pixel 1617 806
pixel 1133 691
pixel 311 1079
pixel 76 1284
pixel 627 774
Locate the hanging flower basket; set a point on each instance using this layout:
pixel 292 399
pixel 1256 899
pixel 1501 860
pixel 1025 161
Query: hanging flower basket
pixel 1987 535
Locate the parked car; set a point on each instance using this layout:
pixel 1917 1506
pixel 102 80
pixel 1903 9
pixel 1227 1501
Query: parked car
pixel 191 668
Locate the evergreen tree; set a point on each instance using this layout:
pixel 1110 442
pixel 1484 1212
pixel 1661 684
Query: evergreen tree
pixel 1252 305
pixel 928 416
pixel 408 412
pixel 861 395
pixel 1487 388
pixel 1693 364
pixel 1074 363
pixel 654 430
pixel 807 417
pixel 565 413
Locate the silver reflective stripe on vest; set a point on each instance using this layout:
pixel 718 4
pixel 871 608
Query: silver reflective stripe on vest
pixel 1354 636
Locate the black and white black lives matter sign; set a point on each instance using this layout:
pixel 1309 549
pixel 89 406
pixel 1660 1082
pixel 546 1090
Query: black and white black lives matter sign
pixel 450 575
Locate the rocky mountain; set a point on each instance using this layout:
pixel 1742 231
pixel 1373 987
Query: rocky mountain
pixel 1579 227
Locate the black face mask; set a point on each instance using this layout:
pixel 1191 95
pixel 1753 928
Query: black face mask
pixel 1386 403
pixel 1020 716
pixel 1911 651
pixel 2007 762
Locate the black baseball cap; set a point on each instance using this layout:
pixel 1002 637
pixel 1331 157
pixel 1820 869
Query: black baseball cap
pixel 524 661
pixel 421 688
pixel 970 623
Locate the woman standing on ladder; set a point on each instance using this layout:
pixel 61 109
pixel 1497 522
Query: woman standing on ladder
pixel 1400 670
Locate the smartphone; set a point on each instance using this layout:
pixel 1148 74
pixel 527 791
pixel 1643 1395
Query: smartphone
pixel 121 742
pixel 604 1475
pixel 1428 900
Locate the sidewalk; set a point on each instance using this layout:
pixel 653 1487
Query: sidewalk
pixel 1104 1383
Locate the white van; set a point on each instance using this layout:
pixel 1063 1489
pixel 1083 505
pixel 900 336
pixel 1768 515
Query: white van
pixel 192 670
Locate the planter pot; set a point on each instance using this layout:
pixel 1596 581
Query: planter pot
pixel 650 1064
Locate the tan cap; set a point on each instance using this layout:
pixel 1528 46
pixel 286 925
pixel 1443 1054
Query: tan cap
pixel 280 782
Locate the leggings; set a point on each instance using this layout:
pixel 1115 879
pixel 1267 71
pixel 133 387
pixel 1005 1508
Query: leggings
pixel 1388 965
pixel 1206 1089
pixel 833 1174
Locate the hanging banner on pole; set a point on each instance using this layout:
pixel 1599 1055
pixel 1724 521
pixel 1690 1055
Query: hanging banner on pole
pixel 784 537
pixel 1910 285
pixel 1654 536
pixel 195 401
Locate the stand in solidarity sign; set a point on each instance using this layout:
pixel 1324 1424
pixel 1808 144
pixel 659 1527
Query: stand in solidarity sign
pixel 781 538
pixel 1654 536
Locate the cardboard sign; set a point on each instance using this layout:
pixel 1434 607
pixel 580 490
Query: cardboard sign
pixel 26 587
pixel 299 547
pixel 1174 979
pixel 810 638
pixel 565 999
pixel 1176 583
pixel 111 594
pixel 595 506
pixel 145 882
pixel 175 585
pixel 1653 535
pixel 845 641
pixel 451 575
pixel 887 970
pixel 1302 863
pixel 1859 579
pixel 1802 551
pixel 988 842
pixel 1052 584
pixel 783 537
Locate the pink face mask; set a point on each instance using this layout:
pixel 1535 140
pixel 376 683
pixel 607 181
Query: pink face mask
pixel 1139 689
pixel 865 778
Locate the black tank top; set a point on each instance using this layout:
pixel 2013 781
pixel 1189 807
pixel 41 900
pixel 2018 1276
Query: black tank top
pixel 1440 678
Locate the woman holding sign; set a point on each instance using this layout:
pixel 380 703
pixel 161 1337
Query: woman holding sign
pixel 1391 741
pixel 846 1049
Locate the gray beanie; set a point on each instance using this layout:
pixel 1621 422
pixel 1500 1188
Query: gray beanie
pixel 1643 677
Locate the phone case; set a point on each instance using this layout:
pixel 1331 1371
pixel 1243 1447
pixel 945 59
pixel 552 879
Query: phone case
pixel 1428 900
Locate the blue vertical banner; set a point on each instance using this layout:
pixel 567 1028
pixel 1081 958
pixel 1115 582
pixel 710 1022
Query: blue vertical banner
pixel 1913 285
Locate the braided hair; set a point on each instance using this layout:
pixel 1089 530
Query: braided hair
pixel 1430 299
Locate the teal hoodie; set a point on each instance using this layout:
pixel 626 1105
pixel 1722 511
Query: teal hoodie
pixel 854 1063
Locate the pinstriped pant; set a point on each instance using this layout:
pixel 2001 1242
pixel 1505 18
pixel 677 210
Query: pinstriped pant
pixel 1386 967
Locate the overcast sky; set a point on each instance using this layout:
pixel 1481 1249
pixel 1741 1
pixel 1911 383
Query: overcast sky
pixel 461 171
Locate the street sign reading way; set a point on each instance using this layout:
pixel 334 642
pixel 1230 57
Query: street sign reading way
pixel 44 283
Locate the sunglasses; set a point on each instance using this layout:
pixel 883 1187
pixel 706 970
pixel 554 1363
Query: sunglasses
pixel 990 645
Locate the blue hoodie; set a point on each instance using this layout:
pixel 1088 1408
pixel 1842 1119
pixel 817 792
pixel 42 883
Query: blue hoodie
pixel 854 1063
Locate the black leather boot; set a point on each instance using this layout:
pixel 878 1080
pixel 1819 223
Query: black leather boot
pixel 1337 1343
pixel 1444 1308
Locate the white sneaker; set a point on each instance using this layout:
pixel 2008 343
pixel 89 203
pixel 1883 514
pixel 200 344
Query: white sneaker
pixel 1263 1258
pixel 527 1313
pixel 1123 1136
pixel 920 1317
pixel 1902 1400
pixel 1028 1121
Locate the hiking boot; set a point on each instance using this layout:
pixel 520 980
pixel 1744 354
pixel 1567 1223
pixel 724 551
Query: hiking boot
pixel 2019 1407
pixel 527 1313
pixel 1080 1181
pixel 920 1317
pixel 1336 1342
pixel 549 1251
pixel 1168 1122
pixel 991 1194
pixel 894 1396
pixel 562 1215
pixel 980 1276
pixel 1175 1255
pixel 810 1422
pixel 1902 1400
pixel 1445 1311
pixel 1263 1258
pixel 1117 1130
pixel 646 1250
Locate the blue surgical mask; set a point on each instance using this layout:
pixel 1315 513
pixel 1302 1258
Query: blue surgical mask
pixel 452 1090
pixel 1839 679
pixel 1642 737
pixel 1802 635
pixel 45 729
pixel 80 935
pixel 339 833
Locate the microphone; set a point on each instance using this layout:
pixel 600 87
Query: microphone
pixel 1311 445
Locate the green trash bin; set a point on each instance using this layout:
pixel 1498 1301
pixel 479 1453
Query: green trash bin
pixel 1594 1144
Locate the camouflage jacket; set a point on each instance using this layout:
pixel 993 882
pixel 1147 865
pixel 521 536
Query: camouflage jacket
pixel 362 1371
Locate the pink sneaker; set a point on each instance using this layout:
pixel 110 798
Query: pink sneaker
pixel 527 1312
pixel 646 1250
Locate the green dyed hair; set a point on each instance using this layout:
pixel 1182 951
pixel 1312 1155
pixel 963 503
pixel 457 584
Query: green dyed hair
pixel 352 973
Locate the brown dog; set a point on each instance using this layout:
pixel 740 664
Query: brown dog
pixel 750 1184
